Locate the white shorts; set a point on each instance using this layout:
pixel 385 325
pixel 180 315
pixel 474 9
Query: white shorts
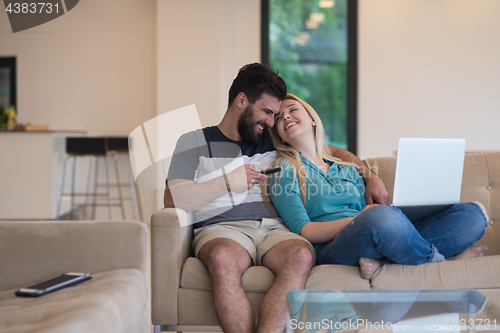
pixel 257 237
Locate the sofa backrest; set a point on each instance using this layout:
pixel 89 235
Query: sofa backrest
pixel 481 182
pixel 36 250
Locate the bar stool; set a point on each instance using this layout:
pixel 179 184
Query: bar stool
pixel 117 146
pixel 98 148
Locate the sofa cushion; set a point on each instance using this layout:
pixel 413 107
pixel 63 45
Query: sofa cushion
pixel 336 277
pixel 110 302
pixel 196 307
pixel 491 239
pixel 482 272
pixel 257 279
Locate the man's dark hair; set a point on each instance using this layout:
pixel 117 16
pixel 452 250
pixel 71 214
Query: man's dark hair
pixel 255 79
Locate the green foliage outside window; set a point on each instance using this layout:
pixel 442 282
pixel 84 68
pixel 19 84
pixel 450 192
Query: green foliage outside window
pixel 308 47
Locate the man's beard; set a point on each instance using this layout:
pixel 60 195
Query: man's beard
pixel 246 127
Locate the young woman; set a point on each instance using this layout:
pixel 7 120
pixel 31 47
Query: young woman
pixel 322 199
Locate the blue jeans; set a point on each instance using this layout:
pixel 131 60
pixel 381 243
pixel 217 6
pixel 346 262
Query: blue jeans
pixel 384 232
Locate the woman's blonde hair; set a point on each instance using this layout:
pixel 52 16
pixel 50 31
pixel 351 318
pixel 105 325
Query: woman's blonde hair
pixel 287 152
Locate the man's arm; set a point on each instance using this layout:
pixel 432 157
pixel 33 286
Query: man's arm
pixel 181 190
pixel 376 192
pixel 188 195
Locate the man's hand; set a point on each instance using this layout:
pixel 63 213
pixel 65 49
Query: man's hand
pixel 375 191
pixel 185 194
pixel 375 188
pixel 243 178
pixel 368 207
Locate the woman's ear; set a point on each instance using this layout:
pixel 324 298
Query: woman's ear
pixel 313 123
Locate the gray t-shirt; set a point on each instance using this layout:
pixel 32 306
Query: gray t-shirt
pixel 206 154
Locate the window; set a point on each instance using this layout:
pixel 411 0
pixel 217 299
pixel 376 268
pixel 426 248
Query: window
pixel 7 82
pixel 312 44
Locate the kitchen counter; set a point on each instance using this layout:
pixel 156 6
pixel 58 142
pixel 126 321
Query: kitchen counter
pixel 30 172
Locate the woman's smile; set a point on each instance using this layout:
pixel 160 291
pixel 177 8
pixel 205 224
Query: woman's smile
pixel 290 124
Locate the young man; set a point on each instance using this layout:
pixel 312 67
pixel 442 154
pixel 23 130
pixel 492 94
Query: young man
pixel 213 173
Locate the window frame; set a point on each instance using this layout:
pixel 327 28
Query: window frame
pixel 352 64
pixel 10 62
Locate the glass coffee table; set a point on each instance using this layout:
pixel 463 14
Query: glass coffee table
pixel 402 311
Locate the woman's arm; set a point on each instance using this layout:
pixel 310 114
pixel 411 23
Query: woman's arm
pixel 285 196
pixel 376 192
pixel 323 232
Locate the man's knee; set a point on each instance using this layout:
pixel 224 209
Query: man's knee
pixel 291 255
pixel 303 255
pixel 224 255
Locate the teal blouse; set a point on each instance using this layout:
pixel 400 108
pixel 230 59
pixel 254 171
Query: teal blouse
pixel 338 194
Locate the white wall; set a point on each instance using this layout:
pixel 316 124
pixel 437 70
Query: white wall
pixel 91 69
pixel 428 68
pixel 201 45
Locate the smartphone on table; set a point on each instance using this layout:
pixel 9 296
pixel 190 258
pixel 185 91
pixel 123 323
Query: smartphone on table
pixel 53 284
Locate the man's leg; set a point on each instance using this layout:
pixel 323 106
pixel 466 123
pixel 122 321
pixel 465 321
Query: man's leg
pixel 291 261
pixel 226 262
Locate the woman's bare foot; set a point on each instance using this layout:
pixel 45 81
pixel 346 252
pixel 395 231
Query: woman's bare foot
pixel 471 252
pixel 368 267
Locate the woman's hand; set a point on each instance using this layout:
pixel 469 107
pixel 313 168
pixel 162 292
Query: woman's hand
pixel 322 232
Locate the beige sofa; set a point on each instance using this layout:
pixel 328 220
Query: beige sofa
pixel 115 253
pixel 181 286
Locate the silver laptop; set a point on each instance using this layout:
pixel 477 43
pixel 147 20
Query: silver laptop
pixel 428 176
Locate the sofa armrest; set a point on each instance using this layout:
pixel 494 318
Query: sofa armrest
pixel 171 237
pixel 35 250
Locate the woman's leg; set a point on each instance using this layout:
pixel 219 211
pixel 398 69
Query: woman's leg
pixel 378 233
pixel 455 229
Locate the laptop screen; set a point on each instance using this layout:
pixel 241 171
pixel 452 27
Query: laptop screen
pixel 428 171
